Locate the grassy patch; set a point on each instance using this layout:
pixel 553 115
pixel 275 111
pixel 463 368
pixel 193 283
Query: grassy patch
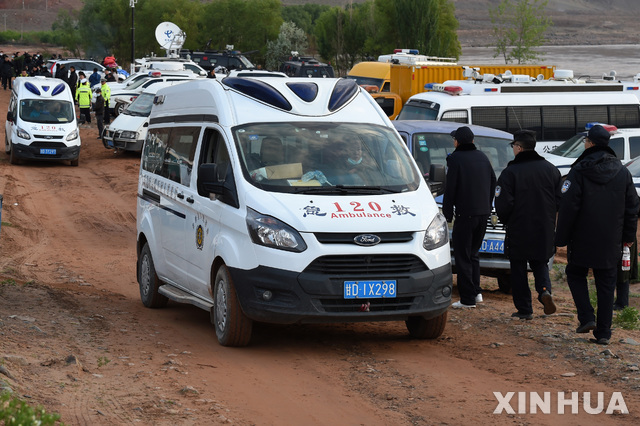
pixel 627 318
pixel 14 411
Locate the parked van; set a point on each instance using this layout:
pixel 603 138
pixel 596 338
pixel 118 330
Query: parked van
pixel 129 129
pixel 430 143
pixel 304 66
pixel 556 109
pixel 287 200
pixel 41 121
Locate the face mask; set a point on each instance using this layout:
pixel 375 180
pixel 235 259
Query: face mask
pixel 354 162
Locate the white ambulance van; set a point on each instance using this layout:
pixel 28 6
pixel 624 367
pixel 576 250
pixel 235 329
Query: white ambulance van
pixel 129 129
pixel 287 200
pixel 41 121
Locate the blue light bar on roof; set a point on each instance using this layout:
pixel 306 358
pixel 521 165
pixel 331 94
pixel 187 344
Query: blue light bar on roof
pixel 305 91
pixel 58 89
pixel 32 88
pixel 258 90
pixel 343 92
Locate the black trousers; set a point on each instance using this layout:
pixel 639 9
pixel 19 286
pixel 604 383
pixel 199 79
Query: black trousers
pixel 520 282
pixel 107 113
pixel 6 81
pixel 87 114
pixel 468 232
pixel 605 286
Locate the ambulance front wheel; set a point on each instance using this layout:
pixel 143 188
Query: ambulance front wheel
pixel 13 159
pixel 149 281
pixel 421 328
pixel 233 328
pixel 74 162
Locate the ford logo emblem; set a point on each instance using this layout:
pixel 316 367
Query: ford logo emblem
pixel 366 240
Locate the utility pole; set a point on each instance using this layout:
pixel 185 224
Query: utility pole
pixel 4 15
pixel 22 21
pixel 132 3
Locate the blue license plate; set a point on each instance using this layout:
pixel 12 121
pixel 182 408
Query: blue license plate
pixel 47 151
pixel 109 142
pixel 492 246
pixel 370 289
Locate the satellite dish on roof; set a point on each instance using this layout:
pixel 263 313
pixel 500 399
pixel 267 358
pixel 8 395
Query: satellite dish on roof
pixel 170 37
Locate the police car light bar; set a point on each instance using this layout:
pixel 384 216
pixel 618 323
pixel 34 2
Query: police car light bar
pixel 608 127
pixel 437 87
pixel 408 51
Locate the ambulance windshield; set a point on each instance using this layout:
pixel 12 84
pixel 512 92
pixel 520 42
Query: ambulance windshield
pixel 46 111
pixel 323 157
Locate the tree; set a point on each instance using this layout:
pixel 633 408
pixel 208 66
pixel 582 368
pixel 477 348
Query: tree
pixel 291 38
pixel 518 28
pixel 427 25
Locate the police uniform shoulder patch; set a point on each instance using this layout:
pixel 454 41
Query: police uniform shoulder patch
pixel 565 186
pixel 498 190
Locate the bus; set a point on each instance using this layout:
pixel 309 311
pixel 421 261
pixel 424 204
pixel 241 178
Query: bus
pixel 556 109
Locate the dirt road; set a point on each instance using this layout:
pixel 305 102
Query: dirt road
pixel 75 338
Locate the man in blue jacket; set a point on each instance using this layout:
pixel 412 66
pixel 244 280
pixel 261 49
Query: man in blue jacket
pixel 527 200
pixel 598 214
pixel 468 196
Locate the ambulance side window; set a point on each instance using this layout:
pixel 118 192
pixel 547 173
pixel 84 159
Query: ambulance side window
pixel 178 158
pixel 154 150
pixel 215 151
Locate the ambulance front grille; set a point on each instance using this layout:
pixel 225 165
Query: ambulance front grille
pixel 367 265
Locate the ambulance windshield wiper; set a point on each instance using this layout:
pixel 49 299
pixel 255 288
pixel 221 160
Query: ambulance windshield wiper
pixel 345 190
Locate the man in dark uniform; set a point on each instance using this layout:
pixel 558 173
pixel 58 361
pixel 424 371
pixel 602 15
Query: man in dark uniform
pixel 527 199
pixel 470 184
pixel 598 214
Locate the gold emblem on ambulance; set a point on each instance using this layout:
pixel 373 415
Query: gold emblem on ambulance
pixel 199 237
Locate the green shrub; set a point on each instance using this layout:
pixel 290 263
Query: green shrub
pixel 627 318
pixel 14 411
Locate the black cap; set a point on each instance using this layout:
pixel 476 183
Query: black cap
pixel 463 135
pixel 525 138
pixel 599 135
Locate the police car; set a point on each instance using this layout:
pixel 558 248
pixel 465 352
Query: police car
pixel 624 142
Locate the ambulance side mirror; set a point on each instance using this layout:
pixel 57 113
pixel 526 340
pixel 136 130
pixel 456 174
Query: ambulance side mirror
pixel 210 181
pixel 437 177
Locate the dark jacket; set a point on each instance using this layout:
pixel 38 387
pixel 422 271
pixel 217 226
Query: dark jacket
pixel 62 73
pixel 98 105
pixel 6 68
pixel 598 211
pixel 527 199
pixel 72 80
pixel 470 183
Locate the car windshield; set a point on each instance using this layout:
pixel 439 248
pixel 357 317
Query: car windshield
pixel 141 105
pixel 46 111
pixel 634 167
pixel 367 81
pixel 138 83
pixel 419 111
pixel 433 148
pixel 572 148
pixel 325 158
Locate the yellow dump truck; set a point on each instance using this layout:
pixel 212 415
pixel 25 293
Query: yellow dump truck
pixel 397 82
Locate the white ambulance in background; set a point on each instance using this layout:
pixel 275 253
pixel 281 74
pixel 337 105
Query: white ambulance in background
pixel 248 208
pixel 129 129
pixel 41 121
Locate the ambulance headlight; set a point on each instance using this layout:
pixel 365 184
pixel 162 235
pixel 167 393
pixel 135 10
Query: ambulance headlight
pixel 73 135
pixel 22 133
pixel 129 135
pixel 271 232
pixel 437 233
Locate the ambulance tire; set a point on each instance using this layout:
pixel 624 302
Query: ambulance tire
pixel 149 281
pixel 233 327
pixel 422 328
pixel 74 162
pixel 7 144
pixel 504 282
pixel 12 156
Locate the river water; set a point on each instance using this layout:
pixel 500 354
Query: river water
pixel 583 60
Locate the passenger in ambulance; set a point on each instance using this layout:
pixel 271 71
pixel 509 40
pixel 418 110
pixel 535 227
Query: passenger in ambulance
pixel 352 166
pixel 271 152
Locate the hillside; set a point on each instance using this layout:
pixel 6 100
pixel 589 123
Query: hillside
pixel 576 22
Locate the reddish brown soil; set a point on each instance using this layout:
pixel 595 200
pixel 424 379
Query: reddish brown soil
pixel 75 338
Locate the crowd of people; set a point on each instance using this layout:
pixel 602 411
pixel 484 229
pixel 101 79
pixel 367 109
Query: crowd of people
pixel 593 212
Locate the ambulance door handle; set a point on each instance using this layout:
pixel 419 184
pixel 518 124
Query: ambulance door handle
pixel 180 195
pixel 189 199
